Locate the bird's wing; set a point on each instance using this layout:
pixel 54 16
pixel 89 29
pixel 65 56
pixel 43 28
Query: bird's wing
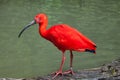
pixel 67 37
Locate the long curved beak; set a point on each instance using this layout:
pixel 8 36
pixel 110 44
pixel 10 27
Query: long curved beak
pixel 27 26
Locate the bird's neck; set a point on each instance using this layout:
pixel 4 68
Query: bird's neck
pixel 42 29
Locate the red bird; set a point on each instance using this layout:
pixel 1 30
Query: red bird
pixel 64 38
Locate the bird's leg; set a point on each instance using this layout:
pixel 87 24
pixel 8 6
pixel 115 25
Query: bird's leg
pixel 59 72
pixel 70 71
pixel 71 59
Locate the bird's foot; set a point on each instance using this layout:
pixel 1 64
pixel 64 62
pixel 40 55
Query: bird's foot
pixel 57 74
pixel 70 71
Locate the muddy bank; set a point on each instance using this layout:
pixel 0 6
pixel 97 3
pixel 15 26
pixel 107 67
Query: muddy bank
pixel 110 71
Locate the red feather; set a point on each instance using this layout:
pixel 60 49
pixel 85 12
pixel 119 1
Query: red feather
pixel 64 38
pixel 68 38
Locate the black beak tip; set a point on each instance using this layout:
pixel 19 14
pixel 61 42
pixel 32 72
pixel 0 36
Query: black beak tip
pixel 18 36
pixel 31 23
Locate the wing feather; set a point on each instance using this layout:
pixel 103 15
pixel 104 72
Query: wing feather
pixel 63 36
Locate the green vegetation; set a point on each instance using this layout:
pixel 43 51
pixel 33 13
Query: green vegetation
pixel 31 55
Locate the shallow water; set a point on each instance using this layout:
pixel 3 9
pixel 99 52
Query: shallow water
pixel 31 55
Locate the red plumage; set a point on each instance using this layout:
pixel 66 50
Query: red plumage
pixel 68 38
pixel 64 38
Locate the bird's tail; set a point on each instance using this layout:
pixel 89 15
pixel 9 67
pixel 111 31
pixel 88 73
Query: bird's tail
pixel 92 51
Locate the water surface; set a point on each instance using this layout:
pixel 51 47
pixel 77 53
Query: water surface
pixel 31 55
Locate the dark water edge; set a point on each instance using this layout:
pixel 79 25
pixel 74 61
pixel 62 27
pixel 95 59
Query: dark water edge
pixel 110 71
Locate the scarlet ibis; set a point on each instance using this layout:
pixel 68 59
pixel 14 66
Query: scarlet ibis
pixel 64 38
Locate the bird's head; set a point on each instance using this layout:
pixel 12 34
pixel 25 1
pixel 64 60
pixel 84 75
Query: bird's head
pixel 39 19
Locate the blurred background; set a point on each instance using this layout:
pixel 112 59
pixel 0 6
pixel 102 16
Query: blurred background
pixel 31 55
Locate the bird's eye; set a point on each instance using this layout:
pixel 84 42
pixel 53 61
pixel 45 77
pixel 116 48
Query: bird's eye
pixel 37 20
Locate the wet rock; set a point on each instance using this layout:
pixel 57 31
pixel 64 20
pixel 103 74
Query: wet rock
pixel 110 71
pixel 11 79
